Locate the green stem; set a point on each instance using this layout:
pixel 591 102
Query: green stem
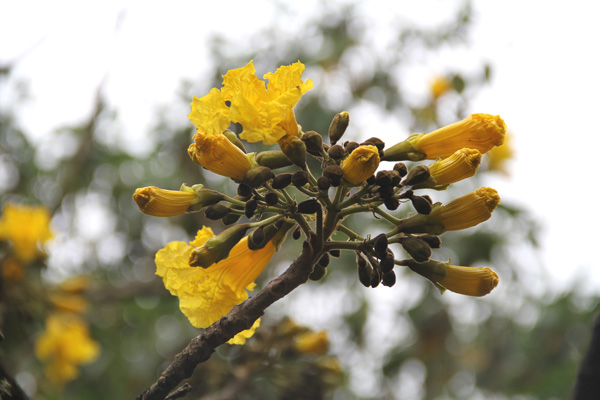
pixel 267 221
pixel 337 244
pixel 387 216
pixel 234 201
pixel 349 232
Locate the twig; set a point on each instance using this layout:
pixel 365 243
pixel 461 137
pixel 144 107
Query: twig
pixel 240 318
pixel 587 385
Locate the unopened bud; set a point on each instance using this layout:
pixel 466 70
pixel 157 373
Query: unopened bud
pixel 432 241
pixel 300 178
pixel 250 207
pixel 323 183
pixel 244 190
pixel 230 219
pixel 282 181
pixel 387 263
pixel 338 126
pixel 391 203
pixel 350 147
pixel 380 245
pixel 416 248
pixel 334 173
pixel 365 271
pixel 374 141
pixel 376 277
pixel 383 178
pixel 216 211
pixel 421 204
pixel 309 206
pixel 218 247
pixel 335 253
pixel 401 168
pixel 271 198
pixel 389 279
pixel 294 148
pixel 418 174
pixel 256 237
pixel 296 233
pixel 273 159
pixel 233 138
pixel 336 152
pixel 313 142
pixel 257 176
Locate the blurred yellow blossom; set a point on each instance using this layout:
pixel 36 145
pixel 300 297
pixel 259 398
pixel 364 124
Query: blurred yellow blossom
pixel 498 156
pixel 26 228
pixel 64 346
pixel 207 294
pixel 313 342
pixel 439 86
pixel 12 270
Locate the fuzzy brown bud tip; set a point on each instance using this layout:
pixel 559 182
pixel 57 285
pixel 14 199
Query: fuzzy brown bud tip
pixel 418 174
pixel 309 206
pixel 282 181
pixel 273 159
pixel 338 126
pixel 257 176
pixel 421 204
pixel 216 211
pixel 300 178
pixel 336 152
pixel 418 249
pixel 334 173
pixel 313 142
pixel 323 183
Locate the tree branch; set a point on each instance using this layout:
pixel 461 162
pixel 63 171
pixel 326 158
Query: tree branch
pixel 240 318
pixel 587 385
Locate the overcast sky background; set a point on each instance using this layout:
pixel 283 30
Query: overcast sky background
pixel 545 84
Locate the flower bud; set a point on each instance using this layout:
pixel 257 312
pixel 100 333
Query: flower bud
pixel 432 241
pixel 323 183
pixel 250 207
pixel 167 203
pixel 389 279
pixel 230 219
pixel 324 260
pixel 418 174
pixel 334 173
pixel 470 281
pixel 300 178
pixel 391 203
pixel 257 176
pixel 376 277
pixel 336 152
pixel 374 141
pixel 217 154
pixel 365 271
pixel 421 204
pixel 335 253
pixel 350 147
pixel 461 165
pixel 294 148
pixel 216 211
pixel 416 248
pixel 244 191
pixel 478 131
pixel 387 263
pixel 281 181
pixel 258 239
pixel 309 206
pixel 401 169
pixel 313 142
pixel 273 159
pixel 218 247
pixel 296 234
pixel 338 126
pixel 380 245
pixel 360 164
pixel 271 198
pixel 233 138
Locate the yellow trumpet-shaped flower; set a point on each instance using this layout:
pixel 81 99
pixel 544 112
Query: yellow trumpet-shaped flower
pixel 207 294
pixel 470 281
pixel 26 228
pixel 461 213
pixel 265 112
pixel 360 164
pixel 478 131
pixel 217 154
pixel 65 345
pixel 163 203
pixel 461 165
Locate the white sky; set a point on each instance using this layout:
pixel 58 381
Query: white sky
pixel 545 84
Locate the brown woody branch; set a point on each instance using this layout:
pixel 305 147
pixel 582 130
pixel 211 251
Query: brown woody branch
pixel 240 318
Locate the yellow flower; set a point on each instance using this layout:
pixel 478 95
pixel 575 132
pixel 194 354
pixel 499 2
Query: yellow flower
pixel 207 294
pixel 312 342
pixel 461 213
pixel 68 302
pixel 498 156
pixel 461 165
pixel 478 131
pixel 169 203
pixel 470 281
pixel 12 270
pixel 265 113
pixel 468 210
pixel 217 154
pixel 360 164
pixel 163 203
pixel 26 228
pixel 64 346
pixel 439 86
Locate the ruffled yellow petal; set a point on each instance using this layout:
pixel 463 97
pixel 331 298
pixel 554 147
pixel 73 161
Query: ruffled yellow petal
pixel 286 85
pixel 241 337
pixel 207 294
pixel 210 113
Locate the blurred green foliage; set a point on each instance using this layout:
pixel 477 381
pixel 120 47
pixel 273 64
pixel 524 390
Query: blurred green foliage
pixel 406 342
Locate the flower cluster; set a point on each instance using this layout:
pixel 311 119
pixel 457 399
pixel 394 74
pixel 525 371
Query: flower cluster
pixel 279 194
